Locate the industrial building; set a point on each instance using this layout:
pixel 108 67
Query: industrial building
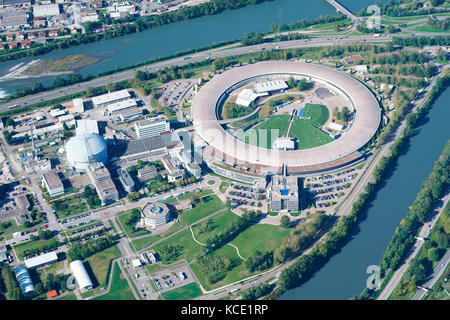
pixel 77 106
pixel 52 183
pixel 247 96
pixel 86 126
pixel 147 172
pixel 13 19
pixel 270 86
pixel 46 10
pixel 80 274
pixel 121 106
pixel 101 179
pixel 126 180
pixel 110 98
pixel 175 171
pixel 155 214
pixel 41 260
pixel 151 127
pixel 84 149
pixel 130 114
pixel 24 279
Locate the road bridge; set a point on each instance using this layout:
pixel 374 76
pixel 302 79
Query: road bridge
pixel 344 10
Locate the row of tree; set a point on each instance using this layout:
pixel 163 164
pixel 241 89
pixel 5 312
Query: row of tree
pixel 307 264
pixel 82 251
pixel 220 239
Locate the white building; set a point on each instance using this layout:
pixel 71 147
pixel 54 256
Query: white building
pixel 270 86
pixel 53 183
pixel 335 126
pixel 121 106
pixel 247 96
pixel 41 260
pixel 151 127
pixel 77 106
pixel 111 97
pixel 81 276
pixel 46 10
pixel 155 214
pixel 86 126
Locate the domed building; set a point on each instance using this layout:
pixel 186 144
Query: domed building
pixel 84 149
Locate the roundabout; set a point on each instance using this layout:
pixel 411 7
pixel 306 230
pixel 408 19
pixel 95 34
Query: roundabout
pixel 223 148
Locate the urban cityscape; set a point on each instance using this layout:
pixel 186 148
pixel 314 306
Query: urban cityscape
pixel 224 150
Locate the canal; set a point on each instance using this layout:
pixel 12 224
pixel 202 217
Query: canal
pixel 176 37
pixel 344 275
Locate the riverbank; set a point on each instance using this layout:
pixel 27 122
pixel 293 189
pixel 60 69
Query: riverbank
pixel 319 271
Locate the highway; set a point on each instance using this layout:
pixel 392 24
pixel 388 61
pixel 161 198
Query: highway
pixel 424 232
pixel 209 54
pixel 437 273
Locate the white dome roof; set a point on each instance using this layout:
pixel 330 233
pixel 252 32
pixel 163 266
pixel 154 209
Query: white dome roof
pixel 84 149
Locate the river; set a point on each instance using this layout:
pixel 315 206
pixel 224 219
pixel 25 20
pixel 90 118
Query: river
pixel 344 275
pixel 176 37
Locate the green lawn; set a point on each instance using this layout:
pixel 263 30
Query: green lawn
pixel 100 264
pixel 10 226
pixel 120 289
pixel 191 249
pixel 221 222
pixel 224 186
pixel 127 229
pixel 263 237
pixel 139 243
pixel 209 205
pixel 30 245
pixel 189 291
pixel 69 206
pixel 305 130
pixel 236 273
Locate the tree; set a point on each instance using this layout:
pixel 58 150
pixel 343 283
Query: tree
pixel 344 114
pixel 285 222
pixel 27 224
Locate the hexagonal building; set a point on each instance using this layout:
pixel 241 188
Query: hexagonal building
pixel 84 149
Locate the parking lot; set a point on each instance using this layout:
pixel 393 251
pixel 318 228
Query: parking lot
pixel 167 280
pixel 246 196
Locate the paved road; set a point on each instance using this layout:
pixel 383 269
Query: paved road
pixel 437 273
pixel 209 54
pixel 424 232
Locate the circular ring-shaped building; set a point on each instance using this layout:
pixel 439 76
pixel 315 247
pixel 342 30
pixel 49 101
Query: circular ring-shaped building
pixel 231 150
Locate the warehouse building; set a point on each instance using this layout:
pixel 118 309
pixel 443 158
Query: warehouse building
pixel 46 10
pixel 110 98
pixel 121 106
pixel 13 19
pixel 86 126
pixel 80 274
pixel 41 260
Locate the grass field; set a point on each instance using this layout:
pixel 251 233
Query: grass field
pixel 31 245
pixel 8 227
pixel 256 238
pixel 221 221
pixel 189 291
pixel 68 297
pixel 139 243
pixel 209 205
pixel 69 206
pixel 191 249
pixel 119 287
pixel 305 130
pixel 100 264
pixel 129 230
